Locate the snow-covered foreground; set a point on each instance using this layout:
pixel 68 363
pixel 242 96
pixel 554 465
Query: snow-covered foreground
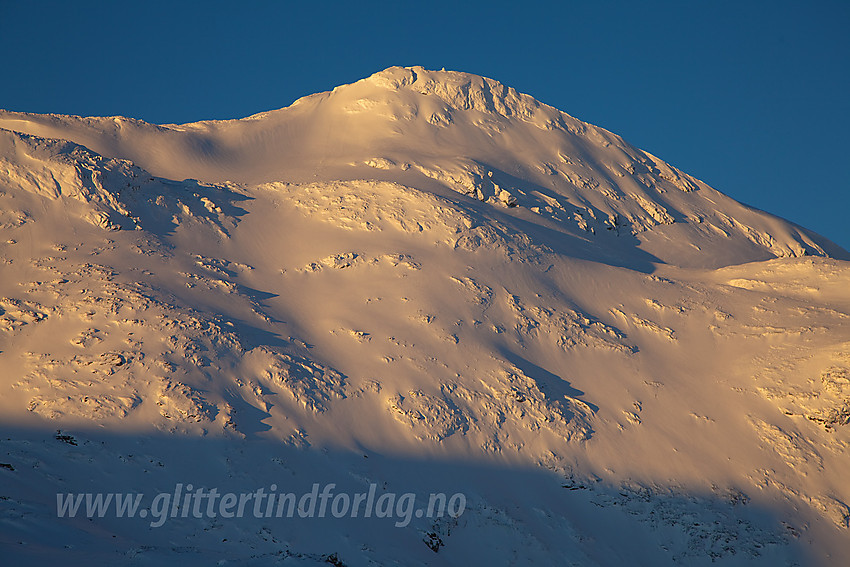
pixel 423 282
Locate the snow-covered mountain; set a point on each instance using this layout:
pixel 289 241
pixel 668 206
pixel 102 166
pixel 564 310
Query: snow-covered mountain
pixel 428 282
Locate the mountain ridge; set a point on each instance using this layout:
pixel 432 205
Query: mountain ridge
pixel 374 283
pixel 489 140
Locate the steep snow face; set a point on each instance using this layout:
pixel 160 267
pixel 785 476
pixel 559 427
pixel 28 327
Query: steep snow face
pixel 428 282
pixel 443 130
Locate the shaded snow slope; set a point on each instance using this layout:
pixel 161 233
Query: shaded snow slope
pixel 429 282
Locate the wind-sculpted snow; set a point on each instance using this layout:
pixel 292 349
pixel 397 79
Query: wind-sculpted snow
pixel 111 193
pixel 504 410
pixel 119 347
pixel 421 282
pixel 375 206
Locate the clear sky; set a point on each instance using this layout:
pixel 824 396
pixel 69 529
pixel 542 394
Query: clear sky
pixel 752 97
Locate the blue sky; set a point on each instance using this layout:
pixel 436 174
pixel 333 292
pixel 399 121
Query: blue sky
pixel 752 97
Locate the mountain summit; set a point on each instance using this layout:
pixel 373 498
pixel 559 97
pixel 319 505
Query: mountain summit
pixel 469 134
pixel 423 283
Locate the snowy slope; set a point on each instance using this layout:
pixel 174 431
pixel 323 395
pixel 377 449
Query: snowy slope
pixel 466 133
pixel 428 281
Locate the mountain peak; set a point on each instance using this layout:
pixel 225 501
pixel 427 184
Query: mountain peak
pixel 415 282
pixel 459 90
pixel 396 77
pixel 451 133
